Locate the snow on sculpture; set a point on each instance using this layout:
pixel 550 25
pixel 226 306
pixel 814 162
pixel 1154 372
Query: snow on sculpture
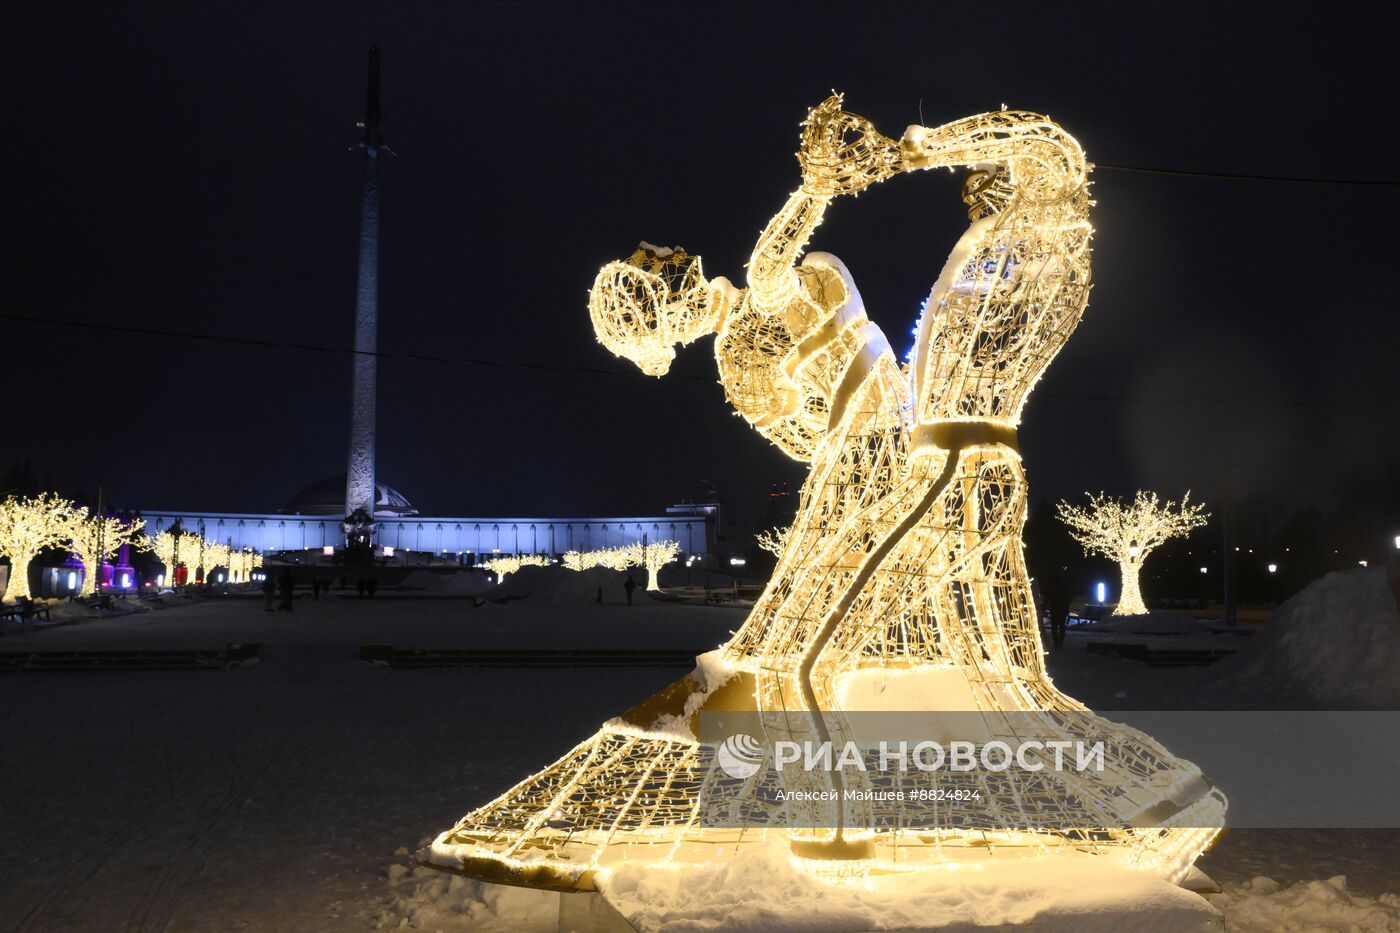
pixel 95 540
pixel 501 566
pixel 1128 532
pixel 905 558
pixel 27 526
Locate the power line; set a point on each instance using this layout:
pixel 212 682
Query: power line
pixel 599 371
pixel 1231 176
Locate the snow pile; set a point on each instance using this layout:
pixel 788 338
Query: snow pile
pixel 1264 906
pixel 458 583
pixel 1336 643
pixel 428 899
pixel 759 890
pixel 1158 622
pixel 557 585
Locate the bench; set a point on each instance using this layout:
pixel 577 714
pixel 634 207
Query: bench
pixel 24 609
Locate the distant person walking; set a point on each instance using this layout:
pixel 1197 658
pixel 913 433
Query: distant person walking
pixel 315 588
pixel 360 587
pixel 286 585
pixel 269 592
pixel 600 593
pixel 371 585
pixel 629 586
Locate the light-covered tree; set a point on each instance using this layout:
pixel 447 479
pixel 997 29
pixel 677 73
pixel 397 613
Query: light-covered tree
pixel 612 558
pixel 1128 531
pixel 163 545
pixel 27 526
pixel 773 540
pixel 501 566
pixel 580 560
pixel 215 555
pixel 96 539
pixel 653 557
pixel 188 548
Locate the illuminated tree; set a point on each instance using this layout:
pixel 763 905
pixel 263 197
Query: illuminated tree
pixel 580 560
pixel 501 566
pixel 215 555
pixel 904 560
pixel 95 540
pixel 1127 532
pixel 27 526
pixel 653 557
pixel 188 548
pixel 773 540
pixel 241 564
pixel 163 545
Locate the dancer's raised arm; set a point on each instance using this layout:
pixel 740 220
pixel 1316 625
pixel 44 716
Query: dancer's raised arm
pixel 1038 158
pixel 841 153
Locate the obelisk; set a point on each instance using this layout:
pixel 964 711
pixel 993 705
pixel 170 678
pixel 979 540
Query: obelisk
pixel 359 475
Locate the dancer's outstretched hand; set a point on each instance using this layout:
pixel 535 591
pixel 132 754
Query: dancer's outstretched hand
pixel 842 153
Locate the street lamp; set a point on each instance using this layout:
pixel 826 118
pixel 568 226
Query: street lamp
pixel 1273 568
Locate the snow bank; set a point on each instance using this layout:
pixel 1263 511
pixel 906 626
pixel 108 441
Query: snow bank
pixel 428 899
pixel 458 583
pixel 1336 643
pixel 759 890
pixel 558 585
pixel 1159 622
pixel 1264 906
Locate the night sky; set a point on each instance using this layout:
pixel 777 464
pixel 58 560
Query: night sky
pixel 187 167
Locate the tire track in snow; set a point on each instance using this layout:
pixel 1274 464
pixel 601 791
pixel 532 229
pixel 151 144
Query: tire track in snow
pixel 187 862
pixel 83 868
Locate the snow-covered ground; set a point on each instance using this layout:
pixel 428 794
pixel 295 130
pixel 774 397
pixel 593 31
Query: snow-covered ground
pixel 288 795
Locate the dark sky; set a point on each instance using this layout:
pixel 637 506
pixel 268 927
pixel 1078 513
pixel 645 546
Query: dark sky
pixel 187 167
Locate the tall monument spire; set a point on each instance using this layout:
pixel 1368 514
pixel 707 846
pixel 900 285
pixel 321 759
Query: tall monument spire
pixel 359 476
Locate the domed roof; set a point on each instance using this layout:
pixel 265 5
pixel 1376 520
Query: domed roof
pixel 327 497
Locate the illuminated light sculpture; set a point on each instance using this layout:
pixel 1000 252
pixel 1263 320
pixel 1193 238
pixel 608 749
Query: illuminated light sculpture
pixel 1127 532
pixel 905 558
pixel 501 566
pixel 94 540
pixel 27 526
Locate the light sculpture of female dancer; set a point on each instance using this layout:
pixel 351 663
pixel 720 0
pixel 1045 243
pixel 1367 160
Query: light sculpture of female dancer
pixel 904 562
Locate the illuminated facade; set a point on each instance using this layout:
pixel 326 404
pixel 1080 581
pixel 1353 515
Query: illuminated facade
pixel 905 558
pixel 1127 532
pixel 482 536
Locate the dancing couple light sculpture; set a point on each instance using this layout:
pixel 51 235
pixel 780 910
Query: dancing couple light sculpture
pixel 905 558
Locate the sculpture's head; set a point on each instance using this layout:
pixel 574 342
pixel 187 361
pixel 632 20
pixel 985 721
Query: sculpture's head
pixel 645 305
